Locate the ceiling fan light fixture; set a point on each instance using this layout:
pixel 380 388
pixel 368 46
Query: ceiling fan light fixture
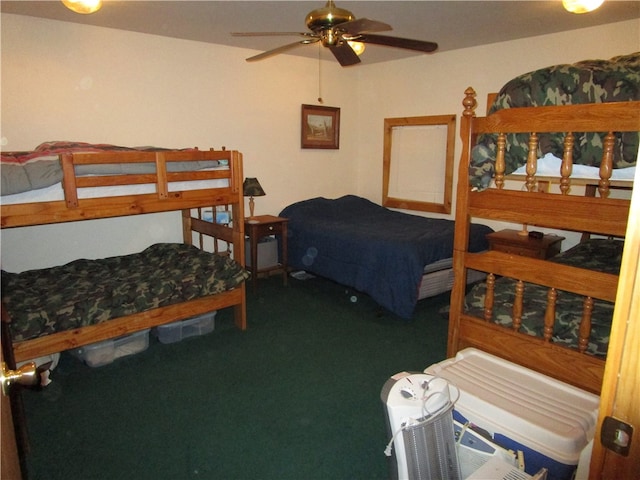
pixel 357 47
pixel 581 6
pixel 345 36
pixel 327 17
pixel 83 6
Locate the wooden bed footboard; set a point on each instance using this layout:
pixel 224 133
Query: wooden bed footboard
pixel 525 204
pixel 59 342
pixel 223 238
pixel 582 370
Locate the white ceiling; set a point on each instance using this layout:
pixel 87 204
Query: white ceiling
pixel 452 24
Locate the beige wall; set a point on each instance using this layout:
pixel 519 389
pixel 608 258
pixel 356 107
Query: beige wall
pixel 63 81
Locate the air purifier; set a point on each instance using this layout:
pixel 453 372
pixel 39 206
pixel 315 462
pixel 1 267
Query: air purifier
pixel 419 421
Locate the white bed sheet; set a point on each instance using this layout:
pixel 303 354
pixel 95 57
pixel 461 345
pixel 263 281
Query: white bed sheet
pixel 56 193
pixel 549 166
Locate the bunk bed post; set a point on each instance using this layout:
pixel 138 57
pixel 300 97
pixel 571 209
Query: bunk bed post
pixel 462 221
pixel 186 227
pixel 69 180
pixel 237 215
pixel 606 165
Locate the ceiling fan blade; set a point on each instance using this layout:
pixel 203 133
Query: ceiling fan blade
pixel 406 43
pixel 281 49
pixel 272 34
pixel 362 25
pixel 344 54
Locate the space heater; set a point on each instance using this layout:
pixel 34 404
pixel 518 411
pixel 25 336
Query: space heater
pixel 420 424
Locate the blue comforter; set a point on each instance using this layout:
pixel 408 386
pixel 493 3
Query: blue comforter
pixel 368 247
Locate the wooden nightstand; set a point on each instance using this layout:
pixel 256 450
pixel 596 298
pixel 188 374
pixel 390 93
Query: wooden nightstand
pixel 256 229
pixel 509 241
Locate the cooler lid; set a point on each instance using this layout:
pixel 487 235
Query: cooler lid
pixel 527 406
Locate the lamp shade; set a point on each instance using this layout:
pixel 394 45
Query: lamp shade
pixel 252 188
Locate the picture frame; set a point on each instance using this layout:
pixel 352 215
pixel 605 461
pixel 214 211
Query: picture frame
pixel 418 160
pixel 320 127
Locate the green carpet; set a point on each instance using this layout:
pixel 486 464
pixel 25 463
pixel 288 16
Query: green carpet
pixel 296 396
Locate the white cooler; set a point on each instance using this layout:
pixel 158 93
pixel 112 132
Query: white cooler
pixel 549 421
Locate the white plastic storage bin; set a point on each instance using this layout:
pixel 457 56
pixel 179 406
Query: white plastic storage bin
pixel 103 353
pixel 551 422
pixel 177 331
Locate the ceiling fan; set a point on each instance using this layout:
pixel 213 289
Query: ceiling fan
pixel 335 27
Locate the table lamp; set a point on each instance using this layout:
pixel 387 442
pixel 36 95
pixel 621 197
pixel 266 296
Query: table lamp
pixel 252 188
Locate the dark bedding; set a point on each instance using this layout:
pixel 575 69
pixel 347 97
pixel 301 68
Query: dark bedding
pixel 85 292
pixel 368 247
pixel 597 254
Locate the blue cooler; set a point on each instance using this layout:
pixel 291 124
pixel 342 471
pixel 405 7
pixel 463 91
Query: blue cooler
pixel 549 421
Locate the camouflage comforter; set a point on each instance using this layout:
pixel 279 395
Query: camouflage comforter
pixel 596 254
pixel 590 81
pixel 86 292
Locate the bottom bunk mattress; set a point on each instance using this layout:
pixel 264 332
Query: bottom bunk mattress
pixel 378 251
pixel 85 292
pixel 603 255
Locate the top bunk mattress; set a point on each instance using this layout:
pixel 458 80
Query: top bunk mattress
pixel 586 82
pixel 36 176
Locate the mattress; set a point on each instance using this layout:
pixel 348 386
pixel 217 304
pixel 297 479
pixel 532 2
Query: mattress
pixel 603 255
pixel 438 278
pixel 56 193
pixel 549 166
pixel 86 292
pixel 373 249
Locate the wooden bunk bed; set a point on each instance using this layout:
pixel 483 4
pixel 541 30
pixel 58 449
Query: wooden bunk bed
pixel 524 203
pixel 196 193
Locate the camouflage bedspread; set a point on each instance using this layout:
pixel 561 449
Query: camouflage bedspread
pixel 86 292
pixel 596 254
pixel 590 81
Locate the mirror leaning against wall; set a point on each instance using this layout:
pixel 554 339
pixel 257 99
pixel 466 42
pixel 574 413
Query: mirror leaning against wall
pixel 418 163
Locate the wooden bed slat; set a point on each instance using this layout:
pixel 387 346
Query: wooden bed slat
pixel 550 314
pixel 532 162
pixel 564 212
pixel 118 327
pixel 606 165
pixel 563 277
pixel 616 116
pixel 91 208
pixel 567 163
pixel 585 325
pixel 517 306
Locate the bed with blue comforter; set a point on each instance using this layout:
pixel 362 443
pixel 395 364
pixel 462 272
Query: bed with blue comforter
pixel 378 251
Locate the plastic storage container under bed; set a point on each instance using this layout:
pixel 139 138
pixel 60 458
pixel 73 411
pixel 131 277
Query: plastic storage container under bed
pixel 105 352
pixel 192 327
pixel 551 422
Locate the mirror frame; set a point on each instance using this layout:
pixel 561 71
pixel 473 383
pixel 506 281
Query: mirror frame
pixel 412 204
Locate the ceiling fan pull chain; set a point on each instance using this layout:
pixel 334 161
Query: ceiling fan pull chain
pixel 320 74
